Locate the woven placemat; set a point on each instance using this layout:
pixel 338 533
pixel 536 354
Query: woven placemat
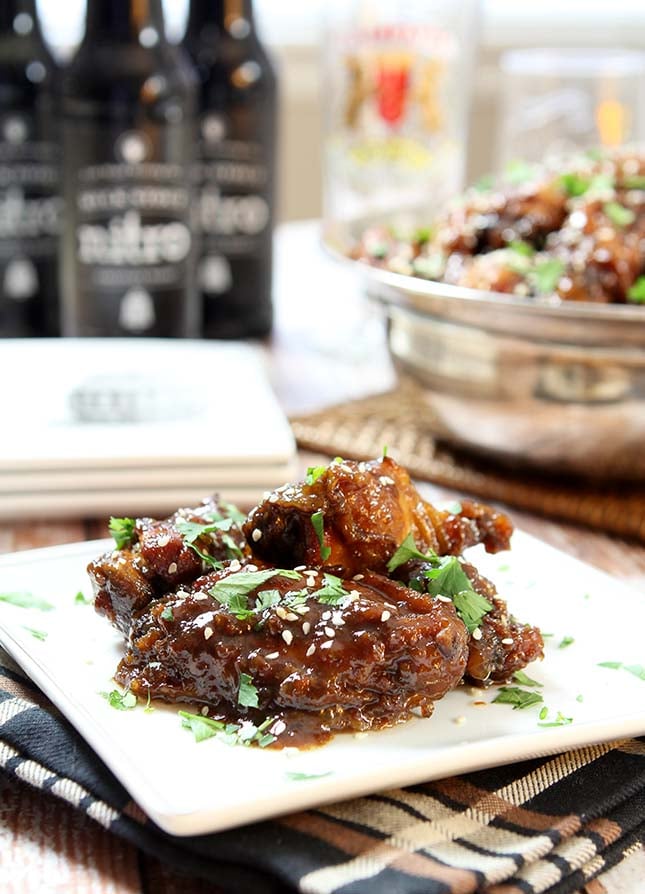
pixel 361 428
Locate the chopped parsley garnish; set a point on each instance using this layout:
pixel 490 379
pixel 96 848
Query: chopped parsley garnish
pixel 266 599
pixel 636 293
pixel 450 579
pixel 618 214
pixel 244 733
pixel 247 694
pixel 518 171
pixel 297 776
pixel 231 511
pixel 580 698
pixel 574 184
pixel 406 551
pixel 422 235
pixel 634 181
pixel 613 665
pixel 332 592
pixel 167 614
pixel 524 680
pixel 81 599
pixel 565 641
pixel 318 522
pixel 384 454
pixel 521 248
pixel 546 275
pixel 192 531
pixel 122 529
pixel 543 713
pixel 26 600
pixel 122 701
pixel 519 698
pixel 231 591
pixel 637 670
pixel 560 720
pixel 314 473
pixel 37 634
pixel 485 183
pixel 148 708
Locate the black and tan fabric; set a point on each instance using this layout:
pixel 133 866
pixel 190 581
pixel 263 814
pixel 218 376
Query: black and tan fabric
pixel 360 429
pixel 545 825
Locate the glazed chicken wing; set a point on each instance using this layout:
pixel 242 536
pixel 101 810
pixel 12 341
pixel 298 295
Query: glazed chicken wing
pixel 323 654
pixel 159 558
pixel 353 516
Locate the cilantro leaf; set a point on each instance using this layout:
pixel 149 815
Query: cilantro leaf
pixel 247 694
pixel 574 184
pixel 81 599
pixel 318 522
pixel 406 551
pixel 122 701
pixel 543 713
pixel 230 590
pixel 521 248
pixel 26 600
pixel 454 508
pixel 266 598
pixel 201 727
pixel 634 181
pixel 122 529
pixel 560 720
pixel 519 698
pixel 637 670
pixel 450 579
pixel 37 634
pixel 565 641
pixel 231 511
pixel 485 183
pixel 613 665
pixel 296 776
pixel 332 592
pixel 546 275
pixel 518 172
pixel 618 214
pixel 167 614
pixel 191 531
pixel 521 678
pixel 636 292
pixel 314 473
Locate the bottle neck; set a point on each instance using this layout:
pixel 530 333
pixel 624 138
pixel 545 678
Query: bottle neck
pixel 18 18
pixel 232 16
pixel 130 21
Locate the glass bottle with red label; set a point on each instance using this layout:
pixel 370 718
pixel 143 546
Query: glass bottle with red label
pixel 30 201
pixel 128 118
pixel 397 89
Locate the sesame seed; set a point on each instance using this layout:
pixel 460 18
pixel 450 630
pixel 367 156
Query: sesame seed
pixel 172 568
pixel 235 565
pixel 198 596
pixel 358 577
pixel 459 720
pixel 164 540
pixel 208 632
pixel 290 617
pixel 272 656
pixel 306 627
pixel 204 711
pixel 256 535
pixel 301 609
pixel 330 632
pixel 287 636
pixel 249 567
pixel 385 616
pixel 477 634
pixel 312 572
pixel 327 644
pixel 444 598
pixel 507 641
pixel 354 595
pixel 300 568
pixel 278 727
pixel 310 651
pixel 479 704
pixel 337 619
pixel 385 479
pixel 281 612
pixel 310 582
pixel 326 616
pixel 273 498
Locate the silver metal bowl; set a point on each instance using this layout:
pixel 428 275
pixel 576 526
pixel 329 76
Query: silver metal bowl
pixel 558 387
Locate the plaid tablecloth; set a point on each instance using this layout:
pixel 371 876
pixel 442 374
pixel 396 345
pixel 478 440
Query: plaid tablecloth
pixel 544 825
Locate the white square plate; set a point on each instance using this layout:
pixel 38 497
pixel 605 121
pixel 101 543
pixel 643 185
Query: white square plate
pixel 177 784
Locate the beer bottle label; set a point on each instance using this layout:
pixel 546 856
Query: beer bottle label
pixel 131 225
pixel 30 222
pixel 233 177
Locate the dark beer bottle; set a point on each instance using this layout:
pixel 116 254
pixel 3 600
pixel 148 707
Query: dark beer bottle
pixel 30 203
pixel 235 173
pixel 128 118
